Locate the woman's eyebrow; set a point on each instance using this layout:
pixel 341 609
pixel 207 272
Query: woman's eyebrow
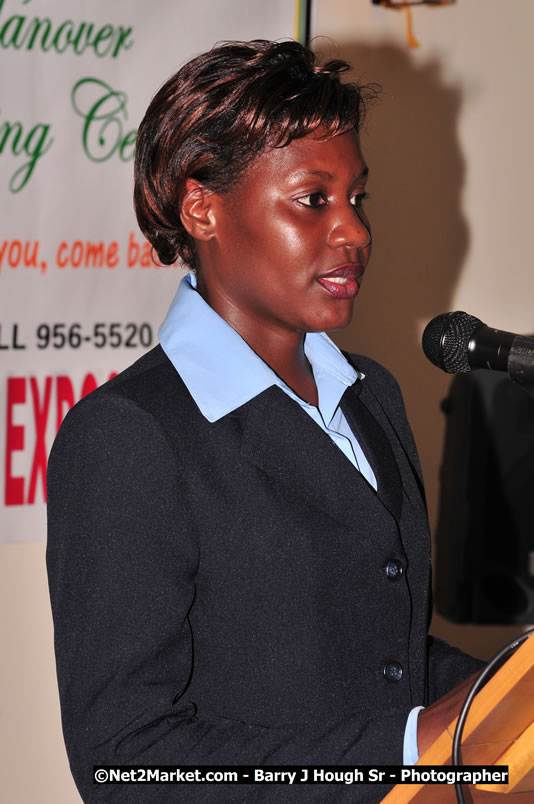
pixel 324 174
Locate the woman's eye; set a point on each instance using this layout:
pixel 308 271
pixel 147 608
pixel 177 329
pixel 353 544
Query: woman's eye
pixel 357 200
pixel 313 200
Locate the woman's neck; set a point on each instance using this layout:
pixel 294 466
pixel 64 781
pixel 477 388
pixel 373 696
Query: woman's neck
pixel 289 361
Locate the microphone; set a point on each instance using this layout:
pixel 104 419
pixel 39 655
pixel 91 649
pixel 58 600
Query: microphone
pixel 458 342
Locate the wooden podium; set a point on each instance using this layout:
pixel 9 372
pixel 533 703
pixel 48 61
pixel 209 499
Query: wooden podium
pixel 499 730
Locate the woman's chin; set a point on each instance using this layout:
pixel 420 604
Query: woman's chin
pixel 336 320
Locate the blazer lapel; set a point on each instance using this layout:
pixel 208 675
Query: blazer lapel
pixel 282 440
pixel 375 445
pixel 411 473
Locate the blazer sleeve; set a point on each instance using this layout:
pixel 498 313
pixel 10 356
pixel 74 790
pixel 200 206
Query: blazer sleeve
pixel 122 559
pixel 448 666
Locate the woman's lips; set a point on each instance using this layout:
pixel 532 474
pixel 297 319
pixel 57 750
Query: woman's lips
pixel 342 282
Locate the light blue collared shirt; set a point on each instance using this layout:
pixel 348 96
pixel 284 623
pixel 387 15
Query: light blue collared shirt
pixel 222 372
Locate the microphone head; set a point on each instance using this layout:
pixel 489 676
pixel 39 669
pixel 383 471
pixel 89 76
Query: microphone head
pixel 446 340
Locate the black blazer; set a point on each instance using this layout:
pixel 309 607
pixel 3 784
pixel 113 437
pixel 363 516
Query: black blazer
pixel 235 592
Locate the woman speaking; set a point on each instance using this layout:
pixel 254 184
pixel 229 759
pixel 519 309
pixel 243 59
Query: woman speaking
pixel 239 554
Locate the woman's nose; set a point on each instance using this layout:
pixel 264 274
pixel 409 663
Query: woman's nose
pixel 350 227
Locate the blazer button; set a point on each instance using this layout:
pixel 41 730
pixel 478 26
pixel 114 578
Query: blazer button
pixel 393 671
pixel 394 570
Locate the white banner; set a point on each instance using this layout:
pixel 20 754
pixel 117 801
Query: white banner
pixel 80 297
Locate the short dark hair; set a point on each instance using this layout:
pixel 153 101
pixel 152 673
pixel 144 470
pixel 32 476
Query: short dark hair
pixel 221 110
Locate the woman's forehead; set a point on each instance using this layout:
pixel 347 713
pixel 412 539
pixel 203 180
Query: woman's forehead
pixel 308 156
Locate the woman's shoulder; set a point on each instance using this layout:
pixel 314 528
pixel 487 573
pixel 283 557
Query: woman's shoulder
pixel 144 378
pixel 138 401
pixel 147 382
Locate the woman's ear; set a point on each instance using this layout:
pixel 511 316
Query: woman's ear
pixel 197 212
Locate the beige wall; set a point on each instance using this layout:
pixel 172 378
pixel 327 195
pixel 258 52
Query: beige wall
pixel 450 152
pixel 34 763
pixel 452 176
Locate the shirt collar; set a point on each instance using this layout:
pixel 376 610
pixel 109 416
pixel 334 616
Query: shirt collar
pixel 222 372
